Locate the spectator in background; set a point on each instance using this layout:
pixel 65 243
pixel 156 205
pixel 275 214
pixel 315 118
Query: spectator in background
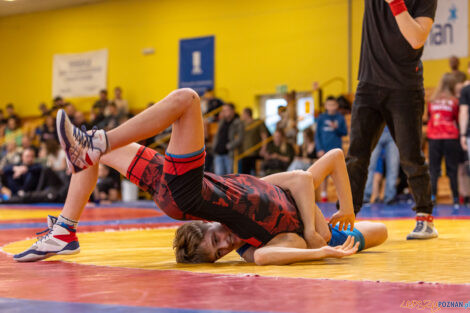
pixel 13 132
pixel 464 166
pixel 12 155
pixel 22 178
pixel 103 101
pixel 44 109
pixel 3 119
pixel 55 156
pixel 27 143
pixel 112 118
pixel 344 106
pixel 229 138
pixel 443 134
pixel 284 115
pixel 3 123
pixel 107 187
pixel 255 132
pixel 99 108
pixel 58 103
pixel 306 154
pixel 121 104
pixel 97 115
pixel 331 127
pixel 47 131
pixel 79 120
pixel 10 108
pixel 209 103
pixel 464 119
pixel 278 155
pixel 70 110
pixel 454 64
pixel 384 159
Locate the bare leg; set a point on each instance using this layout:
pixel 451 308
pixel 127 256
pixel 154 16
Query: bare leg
pixel 181 108
pixel 374 233
pixel 376 187
pixel 83 183
pixel 81 186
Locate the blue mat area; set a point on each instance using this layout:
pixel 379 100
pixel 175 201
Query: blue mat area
pixel 20 306
pixel 373 211
pixel 397 211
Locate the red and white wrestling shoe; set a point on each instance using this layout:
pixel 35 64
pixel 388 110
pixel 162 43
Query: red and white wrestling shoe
pixel 60 238
pixel 82 149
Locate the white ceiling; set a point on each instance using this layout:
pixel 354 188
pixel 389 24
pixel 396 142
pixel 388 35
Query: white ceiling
pixel 28 6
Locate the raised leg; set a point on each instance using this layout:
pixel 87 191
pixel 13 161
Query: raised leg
pixel 181 108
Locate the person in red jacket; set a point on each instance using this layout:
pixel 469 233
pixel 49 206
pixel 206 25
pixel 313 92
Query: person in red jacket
pixel 443 134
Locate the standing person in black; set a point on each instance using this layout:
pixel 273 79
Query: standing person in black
pixel 391 92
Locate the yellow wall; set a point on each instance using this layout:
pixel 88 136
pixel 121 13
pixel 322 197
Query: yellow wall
pixel 259 44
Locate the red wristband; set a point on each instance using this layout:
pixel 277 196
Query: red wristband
pixel 398 6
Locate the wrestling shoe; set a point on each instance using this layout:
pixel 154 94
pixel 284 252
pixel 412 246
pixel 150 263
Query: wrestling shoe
pixel 82 149
pixel 60 238
pixel 424 228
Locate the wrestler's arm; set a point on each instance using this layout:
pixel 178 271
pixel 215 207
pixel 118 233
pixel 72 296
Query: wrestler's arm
pixel 333 164
pixel 290 248
pixel 300 185
pixel 415 30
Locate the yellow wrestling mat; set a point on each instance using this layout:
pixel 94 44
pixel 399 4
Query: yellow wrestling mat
pixel 443 260
pixel 8 214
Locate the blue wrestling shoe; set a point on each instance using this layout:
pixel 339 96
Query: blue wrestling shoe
pixel 59 238
pixel 424 228
pixel 82 149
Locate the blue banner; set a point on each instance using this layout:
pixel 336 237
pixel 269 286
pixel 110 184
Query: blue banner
pixel 197 64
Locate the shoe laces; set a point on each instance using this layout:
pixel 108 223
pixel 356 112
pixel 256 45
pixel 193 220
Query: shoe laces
pixel 419 226
pixel 47 233
pixel 82 136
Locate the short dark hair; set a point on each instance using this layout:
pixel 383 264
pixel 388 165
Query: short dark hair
pixel 58 98
pixel 330 97
pixel 248 111
pixel 32 149
pixel 309 133
pixel 10 106
pixel 231 105
pixel 104 91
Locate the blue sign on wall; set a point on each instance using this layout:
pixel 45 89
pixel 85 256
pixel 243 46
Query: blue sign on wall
pixel 197 63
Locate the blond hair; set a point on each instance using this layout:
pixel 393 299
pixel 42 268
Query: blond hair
pixel 187 243
pixel 446 87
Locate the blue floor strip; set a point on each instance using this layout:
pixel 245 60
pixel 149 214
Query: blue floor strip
pixel 8 305
pixel 368 211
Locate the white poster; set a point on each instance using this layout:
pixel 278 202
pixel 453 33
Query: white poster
pixel 449 34
pixel 79 74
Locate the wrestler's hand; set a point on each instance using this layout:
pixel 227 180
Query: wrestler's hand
pixel 344 219
pixel 388 1
pixel 347 248
pixel 313 239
